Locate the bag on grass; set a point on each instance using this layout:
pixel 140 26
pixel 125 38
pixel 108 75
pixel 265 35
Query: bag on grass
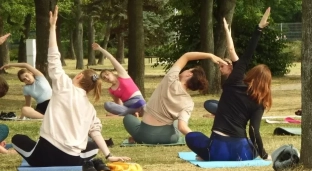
pixel 285 157
pixel 123 166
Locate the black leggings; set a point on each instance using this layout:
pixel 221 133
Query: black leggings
pixel 43 153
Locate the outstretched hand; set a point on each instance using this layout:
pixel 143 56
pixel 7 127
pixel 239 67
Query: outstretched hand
pixel 4 38
pixel 53 16
pixel 218 60
pixel 5 67
pixel 115 159
pixel 263 23
pixel 96 46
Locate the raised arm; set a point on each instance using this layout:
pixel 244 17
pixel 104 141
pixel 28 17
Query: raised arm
pixel 23 65
pixel 191 56
pixel 4 38
pixel 53 19
pixel 55 68
pixel 239 69
pixel 120 69
pixel 229 42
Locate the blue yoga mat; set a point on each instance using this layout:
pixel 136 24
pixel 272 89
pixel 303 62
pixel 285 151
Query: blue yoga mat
pixel 190 157
pixel 25 167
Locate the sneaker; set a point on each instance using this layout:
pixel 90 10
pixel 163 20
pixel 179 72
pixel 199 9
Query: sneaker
pixel 88 166
pixel 99 165
pixel 3 115
pixel 10 116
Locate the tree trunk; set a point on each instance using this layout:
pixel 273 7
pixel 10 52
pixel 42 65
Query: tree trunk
pixel 79 35
pixel 306 81
pixel 42 9
pixel 120 55
pixel 136 43
pixel 72 53
pixel 22 43
pixel 91 58
pixel 225 8
pixel 3 48
pixel 58 38
pixel 105 40
pixel 207 44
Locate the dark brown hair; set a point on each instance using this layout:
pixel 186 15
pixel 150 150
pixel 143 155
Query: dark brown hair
pixel 198 81
pixel 4 87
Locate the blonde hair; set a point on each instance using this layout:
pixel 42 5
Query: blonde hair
pixel 91 81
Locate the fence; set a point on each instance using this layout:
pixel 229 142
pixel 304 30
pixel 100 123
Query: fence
pixel 290 31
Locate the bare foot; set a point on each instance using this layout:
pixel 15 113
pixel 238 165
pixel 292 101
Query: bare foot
pixel 208 115
pixel 131 140
pixel 112 115
pixel 136 114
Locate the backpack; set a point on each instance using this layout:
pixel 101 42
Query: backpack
pixel 123 166
pixel 285 157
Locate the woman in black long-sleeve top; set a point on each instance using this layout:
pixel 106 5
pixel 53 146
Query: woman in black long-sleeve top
pixel 244 98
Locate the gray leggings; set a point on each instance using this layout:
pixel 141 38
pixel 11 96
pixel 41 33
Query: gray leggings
pixel 124 109
pixel 147 134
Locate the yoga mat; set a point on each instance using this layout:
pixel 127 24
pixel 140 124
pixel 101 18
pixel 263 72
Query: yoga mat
pixel 285 120
pixel 190 157
pixel 126 143
pixel 25 167
pixel 287 131
pixel 280 117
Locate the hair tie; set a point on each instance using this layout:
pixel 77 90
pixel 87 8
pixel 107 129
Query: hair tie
pixel 95 77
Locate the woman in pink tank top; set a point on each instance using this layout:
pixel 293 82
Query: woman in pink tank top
pixel 126 95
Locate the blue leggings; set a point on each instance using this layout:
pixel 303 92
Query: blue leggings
pixel 211 106
pixel 220 148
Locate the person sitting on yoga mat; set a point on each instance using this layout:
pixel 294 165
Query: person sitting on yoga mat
pixel 169 102
pixel 127 97
pixel 69 120
pixel 212 105
pixel 36 86
pixel 243 100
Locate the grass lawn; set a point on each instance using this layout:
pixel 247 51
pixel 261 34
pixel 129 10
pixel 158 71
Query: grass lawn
pixel 286 99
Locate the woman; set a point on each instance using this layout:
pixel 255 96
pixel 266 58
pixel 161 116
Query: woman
pixel 69 119
pixel 127 97
pixel 169 102
pixel 243 100
pixel 212 105
pixel 36 86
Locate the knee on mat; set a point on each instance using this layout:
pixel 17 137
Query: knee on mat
pixel 16 138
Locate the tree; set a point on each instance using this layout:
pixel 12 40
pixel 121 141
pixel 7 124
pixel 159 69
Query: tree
pixel 42 9
pixel 3 48
pixel 306 81
pixel 79 35
pixel 206 41
pixel 136 43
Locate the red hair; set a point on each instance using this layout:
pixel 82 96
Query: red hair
pixel 258 80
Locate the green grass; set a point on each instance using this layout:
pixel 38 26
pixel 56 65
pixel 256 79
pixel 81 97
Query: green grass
pixel 286 99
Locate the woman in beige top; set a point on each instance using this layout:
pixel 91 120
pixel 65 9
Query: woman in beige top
pixel 170 101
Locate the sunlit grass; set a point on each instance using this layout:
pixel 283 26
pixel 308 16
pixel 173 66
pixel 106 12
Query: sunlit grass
pixel 286 99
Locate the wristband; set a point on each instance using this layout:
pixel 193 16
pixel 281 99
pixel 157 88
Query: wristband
pixel 109 155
